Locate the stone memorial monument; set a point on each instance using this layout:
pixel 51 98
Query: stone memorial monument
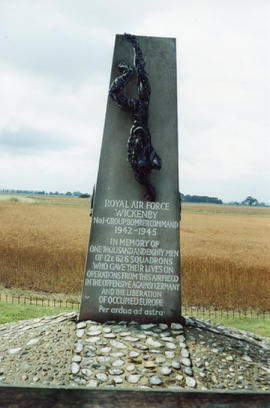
pixel 133 261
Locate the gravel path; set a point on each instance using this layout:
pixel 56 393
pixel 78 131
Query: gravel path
pixel 57 350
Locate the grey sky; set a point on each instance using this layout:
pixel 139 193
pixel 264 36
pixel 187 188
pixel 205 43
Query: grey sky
pixel 55 63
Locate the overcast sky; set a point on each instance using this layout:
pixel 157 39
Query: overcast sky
pixel 55 63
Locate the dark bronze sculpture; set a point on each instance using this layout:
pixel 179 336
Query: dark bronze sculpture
pixel 141 153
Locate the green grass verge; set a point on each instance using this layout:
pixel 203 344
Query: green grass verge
pixel 14 312
pixel 254 324
pixel 259 326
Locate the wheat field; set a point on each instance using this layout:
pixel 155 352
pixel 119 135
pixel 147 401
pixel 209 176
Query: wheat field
pixel 225 250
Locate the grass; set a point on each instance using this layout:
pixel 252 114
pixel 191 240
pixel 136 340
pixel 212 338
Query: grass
pixel 15 312
pixel 252 322
pixel 256 325
pixel 225 251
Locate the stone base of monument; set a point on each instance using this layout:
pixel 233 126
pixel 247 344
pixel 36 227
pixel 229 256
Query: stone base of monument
pixel 59 351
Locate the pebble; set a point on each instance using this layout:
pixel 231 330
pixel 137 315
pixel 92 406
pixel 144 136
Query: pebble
pixel 94 332
pixel 14 350
pixel 107 329
pixel 165 370
pixel 247 358
pixel 118 344
pixel 87 372
pixel 32 342
pixel 75 368
pixel 78 348
pixel 81 325
pixel 115 371
pixel 117 354
pixel 190 382
pixel 105 350
pixel 117 380
pixel 188 371
pixel 99 367
pixel 80 333
pixel 153 343
pixel 130 338
pixel 186 361
pixel 92 339
pixel 94 327
pixel 159 360
pixel 140 346
pixel 184 353
pixel 155 380
pixel 80 380
pixel 86 363
pixel 171 346
pixel 170 354
pixel 134 354
pixel 130 367
pixel 77 359
pixel 102 377
pixel 169 339
pixel 109 335
pixel 89 354
pixel 103 359
pixel 117 363
pixel 92 383
pixel 176 326
pixel 176 364
pixel 133 378
pixel 148 326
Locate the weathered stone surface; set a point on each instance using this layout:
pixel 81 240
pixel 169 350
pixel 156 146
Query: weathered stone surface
pixel 121 214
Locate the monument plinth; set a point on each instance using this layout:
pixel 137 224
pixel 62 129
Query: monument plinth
pixel 133 262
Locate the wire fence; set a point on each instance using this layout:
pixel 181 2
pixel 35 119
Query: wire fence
pixel 39 301
pixel 187 310
pixel 216 313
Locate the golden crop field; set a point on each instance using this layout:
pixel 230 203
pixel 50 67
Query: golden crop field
pixel 225 250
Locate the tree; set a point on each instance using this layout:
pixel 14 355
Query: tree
pixel 250 201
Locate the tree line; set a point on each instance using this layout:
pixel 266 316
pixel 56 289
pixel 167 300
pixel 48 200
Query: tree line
pixel 199 199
